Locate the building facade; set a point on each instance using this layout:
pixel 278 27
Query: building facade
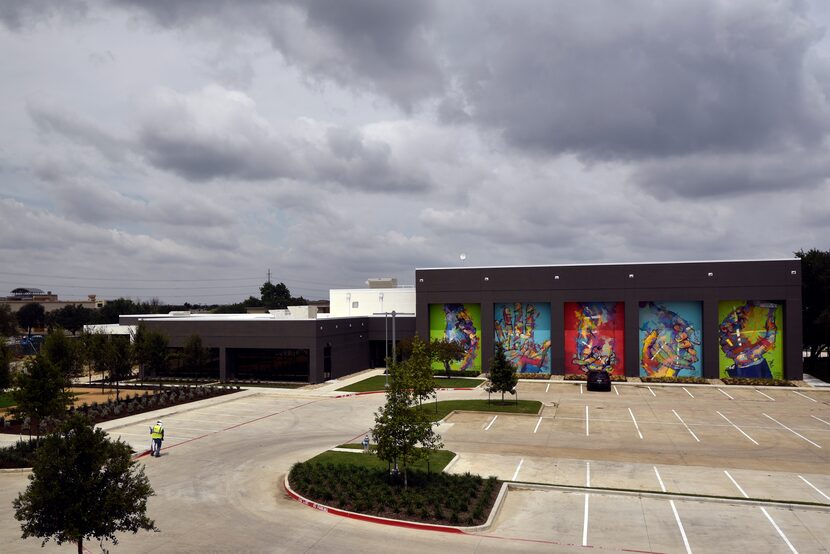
pixel 697 319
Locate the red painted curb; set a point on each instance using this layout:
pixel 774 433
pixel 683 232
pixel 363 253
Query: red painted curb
pixel 371 519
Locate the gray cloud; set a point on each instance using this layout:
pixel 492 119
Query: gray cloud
pixel 17 15
pixel 52 119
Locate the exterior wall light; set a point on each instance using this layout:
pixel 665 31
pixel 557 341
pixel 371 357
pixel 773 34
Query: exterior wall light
pixel 486 278
pixel 793 272
pixel 710 274
pixel 556 277
pixel 630 275
pixel 421 280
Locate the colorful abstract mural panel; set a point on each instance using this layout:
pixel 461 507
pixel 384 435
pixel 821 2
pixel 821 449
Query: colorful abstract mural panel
pixel 523 329
pixel 750 335
pixel 594 337
pixel 670 339
pixel 460 323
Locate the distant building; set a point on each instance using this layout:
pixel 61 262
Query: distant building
pixel 21 296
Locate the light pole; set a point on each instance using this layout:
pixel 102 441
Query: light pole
pixel 386 315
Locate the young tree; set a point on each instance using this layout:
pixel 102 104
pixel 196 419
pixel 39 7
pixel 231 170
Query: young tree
pixel 815 287
pixel 118 361
pixel 502 374
pixel 95 353
pixel 31 315
pixel 8 322
pixel 446 352
pixel 40 392
pixel 83 485
pixel 194 355
pixel 63 352
pixel 402 432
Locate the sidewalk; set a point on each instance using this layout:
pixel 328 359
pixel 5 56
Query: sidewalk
pixel 811 381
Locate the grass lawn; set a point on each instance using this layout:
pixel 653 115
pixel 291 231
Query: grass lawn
pixel 446 406
pixel 378 383
pixel 6 400
pixel 437 460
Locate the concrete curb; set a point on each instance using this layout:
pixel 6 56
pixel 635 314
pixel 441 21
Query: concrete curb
pixel 451 463
pixel 519 485
pixel 16 470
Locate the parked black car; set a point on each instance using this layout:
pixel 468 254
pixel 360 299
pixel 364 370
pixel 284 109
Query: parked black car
pixel 599 379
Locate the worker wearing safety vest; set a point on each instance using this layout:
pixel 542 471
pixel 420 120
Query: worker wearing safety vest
pixel 157 434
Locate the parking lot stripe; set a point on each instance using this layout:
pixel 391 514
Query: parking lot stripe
pixel 738 428
pixel 587 432
pixel 518 467
pixel 743 492
pixel 674 511
pixel 686 426
pixel 791 431
pixel 659 479
pixel 687 392
pixel 547 388
pixel 729 396
pixel 585 515
pixel 616 391
pixel 538 423
pixel 580 388
pixel 491 423
pixel 763 394
pixel 780 532
pixel 651 391
pixel 815 488
pixel 635 423
pixel 821 420
pixel 805 396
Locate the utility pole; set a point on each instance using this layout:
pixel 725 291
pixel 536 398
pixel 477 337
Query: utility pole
pixel 269 275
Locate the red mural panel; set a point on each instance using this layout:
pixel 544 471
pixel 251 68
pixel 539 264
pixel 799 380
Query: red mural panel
pixel 594 337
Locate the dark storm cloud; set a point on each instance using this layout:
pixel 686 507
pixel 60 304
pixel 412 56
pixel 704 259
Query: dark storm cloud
pixel 19 14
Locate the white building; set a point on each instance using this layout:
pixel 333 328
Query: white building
pixel 383 295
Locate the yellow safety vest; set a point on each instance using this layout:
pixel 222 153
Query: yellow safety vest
pixel 157 432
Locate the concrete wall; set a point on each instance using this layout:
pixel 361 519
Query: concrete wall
pixel 707 282
pixel 371 301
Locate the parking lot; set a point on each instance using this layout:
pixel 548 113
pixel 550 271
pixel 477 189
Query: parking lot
pixel 727 444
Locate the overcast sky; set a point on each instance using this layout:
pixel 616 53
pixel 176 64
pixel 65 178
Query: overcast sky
pixel 179 150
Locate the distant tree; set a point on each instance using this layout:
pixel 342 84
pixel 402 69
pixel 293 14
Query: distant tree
pixel 150 350
pixel 446 352
pixel 118 362
pixel 95 352
pixel 502 374
pixel 31 315
pixel 8 322
pixel 83 485
pixel 72 317
pixel 815 297
pixel 6 356
pixel 40 391
pixel 110 312
pixel 63 352
pixel 194 355
pixel 275 296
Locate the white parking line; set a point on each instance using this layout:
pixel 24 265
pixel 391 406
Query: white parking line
pixel 727 394
pixel 538 423
pixel 635 423
pixel 821 420
pixel 780 533
pixel 736 427
pixel 587 431
pixel 651 391
pixel 518 467
pixel 743 492
pixel 616 391
pixel 815 488
pixel 580 388
pixel 547 388
pixel 676 515
pixel 686 426
pixel 585 515
pixel 491 423
pixel 805 396
pixel 687 392
pixel 763 394
pixel 791 431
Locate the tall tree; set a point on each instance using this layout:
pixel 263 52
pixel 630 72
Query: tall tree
pixel 40 391
pixel 71 317
pixel 150 350
pixel 83 485
pixel 63 352
pixel 118 361
pixel 5 363
pixel 194 355
pixel 8 322
pixel 31 315
pixel 815 297
pixel 502 374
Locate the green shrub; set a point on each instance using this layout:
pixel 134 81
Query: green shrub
pixel 20 454
pixel 757 382
pixel 540 376
pixel 686 380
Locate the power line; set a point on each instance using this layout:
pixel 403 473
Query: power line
pixel 122 279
